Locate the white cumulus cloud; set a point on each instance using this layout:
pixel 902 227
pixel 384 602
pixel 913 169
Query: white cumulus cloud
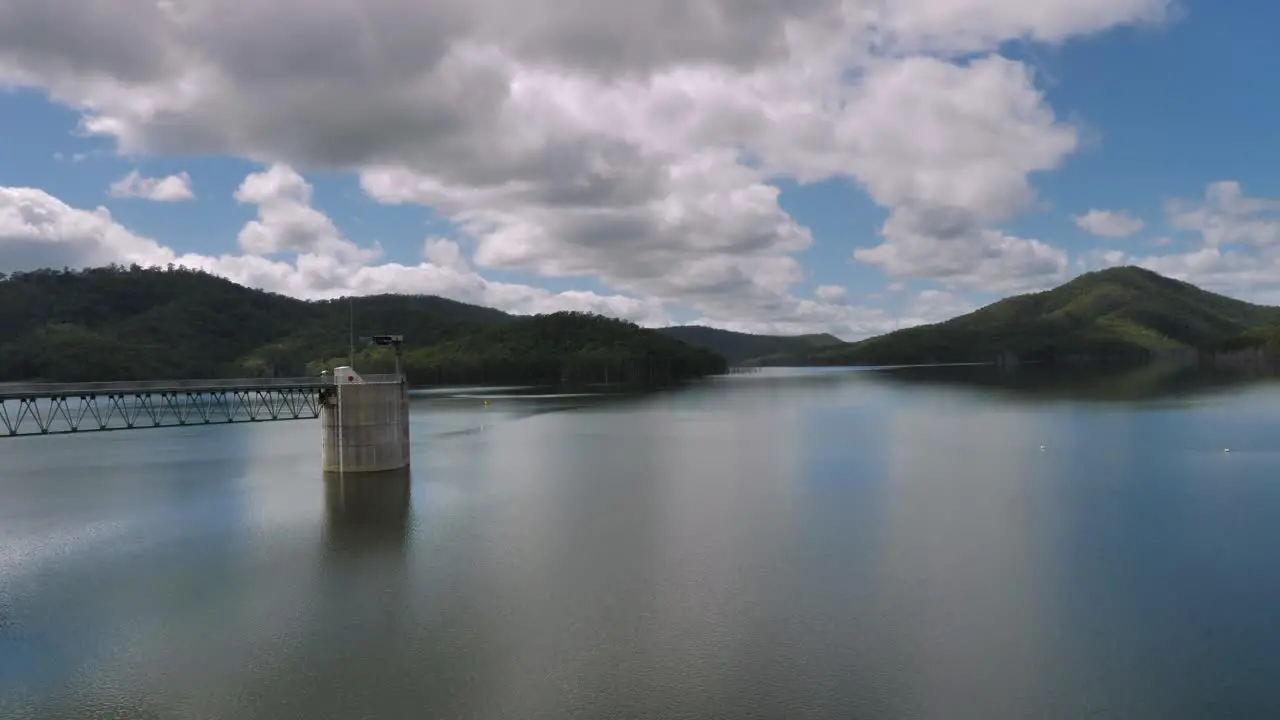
pixel 636 143
pixel 288 223
pixel 38 230
pixel 171 188
pixel 830 293
pixel 1235 244
pixel 1109 223
pixel 1226 216
pixel 933 306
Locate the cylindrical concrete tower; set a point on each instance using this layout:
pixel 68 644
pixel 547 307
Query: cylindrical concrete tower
pixel 365 424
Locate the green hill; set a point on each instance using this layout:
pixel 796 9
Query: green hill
pixel 737 347
pixel 423 320
pixel 1124 313
pixel 1037 383
pixel 564 347
pixel 117 323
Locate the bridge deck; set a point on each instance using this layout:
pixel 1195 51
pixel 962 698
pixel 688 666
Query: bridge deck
pixel 61 408
pixel 18 391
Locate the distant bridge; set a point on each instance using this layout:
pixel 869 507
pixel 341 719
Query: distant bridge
pixel 63 408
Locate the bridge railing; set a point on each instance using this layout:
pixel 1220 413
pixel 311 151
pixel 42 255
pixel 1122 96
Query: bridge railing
pixel 387 379
pixel 58 408
pixel 132 387
pixel 15 390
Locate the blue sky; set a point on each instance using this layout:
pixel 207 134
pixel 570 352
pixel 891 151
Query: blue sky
pixel 793 170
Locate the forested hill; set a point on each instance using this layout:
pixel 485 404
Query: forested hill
pixel 737 347
pixel 119 323
pixel 1125 313
pixel 565 347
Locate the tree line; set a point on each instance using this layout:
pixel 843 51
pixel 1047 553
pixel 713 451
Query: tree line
pixel 127 323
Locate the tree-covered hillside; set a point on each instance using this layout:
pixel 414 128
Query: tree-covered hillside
pixel 423 320
pixel 1125 313
pixel 1036 384
pixel 117 323
pixel 737 347
pixel 564 347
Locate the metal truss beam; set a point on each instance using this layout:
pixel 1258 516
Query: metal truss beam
pixel 60 413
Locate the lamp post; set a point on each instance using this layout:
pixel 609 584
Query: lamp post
pixel 395 342
pixel 351 331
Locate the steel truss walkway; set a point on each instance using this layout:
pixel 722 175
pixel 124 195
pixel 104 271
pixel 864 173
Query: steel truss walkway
pixel 57 409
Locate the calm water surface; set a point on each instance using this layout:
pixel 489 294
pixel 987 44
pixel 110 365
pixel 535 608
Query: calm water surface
pixel 834 544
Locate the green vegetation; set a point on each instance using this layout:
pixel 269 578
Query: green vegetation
pixel 117 323
pixel 565 347
pixel 1120 314
pixel 738 347
pixel 1265 337
pixel 1171 382
pixel 424 320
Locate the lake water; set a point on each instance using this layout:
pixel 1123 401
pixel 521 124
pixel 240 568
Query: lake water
pixel 794 544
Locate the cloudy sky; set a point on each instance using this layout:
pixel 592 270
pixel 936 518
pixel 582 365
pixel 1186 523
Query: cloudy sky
pixel 766 165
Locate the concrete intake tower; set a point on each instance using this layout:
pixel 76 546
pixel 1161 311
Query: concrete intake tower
pixel 365 423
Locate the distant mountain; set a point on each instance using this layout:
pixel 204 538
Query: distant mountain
pixel 117 323
pixel 737 347
pixel 1124 313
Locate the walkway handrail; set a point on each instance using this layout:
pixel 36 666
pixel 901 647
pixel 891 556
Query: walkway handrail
pixel 387 379
pixel 16 390
pixel 22 390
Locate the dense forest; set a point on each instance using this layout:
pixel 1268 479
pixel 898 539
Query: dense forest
pixel 1119 314
pixel 1035 384
pixel 117 323
pixel 739 347
pixel 565 347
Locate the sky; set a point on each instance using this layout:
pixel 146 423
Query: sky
pixel 778 166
